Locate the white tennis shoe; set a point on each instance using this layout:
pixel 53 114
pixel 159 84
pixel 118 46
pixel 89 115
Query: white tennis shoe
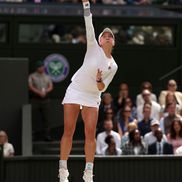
pixel 88 176
pixel 63 175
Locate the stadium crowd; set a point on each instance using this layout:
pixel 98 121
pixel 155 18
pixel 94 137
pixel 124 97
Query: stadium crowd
pixel 151 126
pixel 75 34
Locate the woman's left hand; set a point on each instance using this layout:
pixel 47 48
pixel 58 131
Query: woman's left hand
pixel 99 75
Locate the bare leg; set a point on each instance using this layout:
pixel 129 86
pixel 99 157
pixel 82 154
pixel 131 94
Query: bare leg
pixel 71 112
pixel 90 117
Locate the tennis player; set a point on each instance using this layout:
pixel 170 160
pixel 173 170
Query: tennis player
pixel 93 78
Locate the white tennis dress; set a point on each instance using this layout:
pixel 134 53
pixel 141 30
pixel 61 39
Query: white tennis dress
pixel 83 88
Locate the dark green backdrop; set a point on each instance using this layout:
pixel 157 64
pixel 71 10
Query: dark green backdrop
pixel 136 63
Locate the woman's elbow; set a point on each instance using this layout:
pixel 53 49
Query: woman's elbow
pixel 100 89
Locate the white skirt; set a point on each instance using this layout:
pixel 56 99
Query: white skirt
pixel 75 96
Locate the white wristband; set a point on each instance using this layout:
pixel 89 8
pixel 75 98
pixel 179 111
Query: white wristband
pixel 86 5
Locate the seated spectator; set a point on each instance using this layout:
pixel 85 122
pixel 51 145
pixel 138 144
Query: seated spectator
pixel 111 149
pixel 134 146
pixel 131 126
pixel 170 98
pixel 128 102
pixel 165 122
pixel 145 86
pixel 172 87
pixel 109 115
pixel 144 124
pixel 150 137
pixel 122 94
pixel 175 135
pixel 160 147
pixel 100 142
pixel 8 149
pixel 106 103
pixel 155 107
pixel 123 119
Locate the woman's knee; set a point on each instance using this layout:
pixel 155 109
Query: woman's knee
pixel 69 131
pixel 90 133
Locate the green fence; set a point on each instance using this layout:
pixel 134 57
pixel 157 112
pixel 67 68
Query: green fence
pixel 107 169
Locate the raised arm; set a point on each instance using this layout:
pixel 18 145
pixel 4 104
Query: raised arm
pixel 90 32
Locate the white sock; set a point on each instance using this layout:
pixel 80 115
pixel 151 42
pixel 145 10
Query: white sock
pixel 63 164
pixel 89 166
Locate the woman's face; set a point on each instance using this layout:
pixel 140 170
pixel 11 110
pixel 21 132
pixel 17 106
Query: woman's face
pixel 176 126
pixel 107 39
pixel 127 111
pixel 172 87
pixel 137 135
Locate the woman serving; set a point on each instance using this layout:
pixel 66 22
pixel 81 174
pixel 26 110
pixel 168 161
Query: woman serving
pixel 93 78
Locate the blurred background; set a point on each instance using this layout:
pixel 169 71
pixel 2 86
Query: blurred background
pixel 50 35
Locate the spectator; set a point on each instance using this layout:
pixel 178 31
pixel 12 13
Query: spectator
pixel 144 125
pixel 123 119
pixel 123 93
pixel 109 115
pixel 134 146
pixel 106 103
pixel 40 85
pixel 160 147
pixel 100 143
pixel 150 137
pixel 155 107
pixel 170 98
pixel 175 135
pixel 172 86
pixel 111 149
pixel 8 149
pixel 145 86
pixel 165 122
pixel 131 126
pixel 128 102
